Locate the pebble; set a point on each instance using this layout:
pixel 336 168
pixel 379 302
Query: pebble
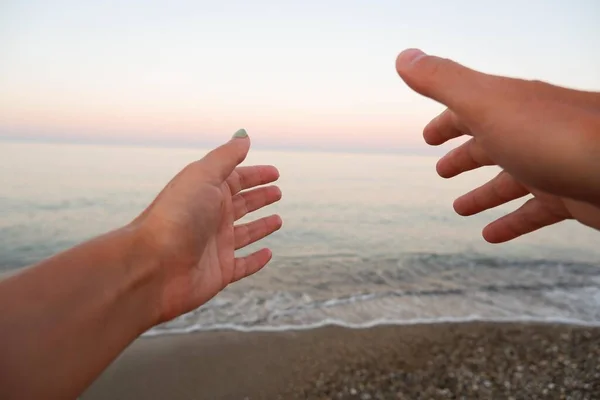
pixel 509 362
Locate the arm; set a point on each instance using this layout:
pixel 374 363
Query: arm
pixel 66 319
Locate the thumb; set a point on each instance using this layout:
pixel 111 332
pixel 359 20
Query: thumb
pixel 442 80
pixel 221 161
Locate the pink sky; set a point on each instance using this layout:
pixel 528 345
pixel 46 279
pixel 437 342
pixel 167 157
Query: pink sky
pixel 295 75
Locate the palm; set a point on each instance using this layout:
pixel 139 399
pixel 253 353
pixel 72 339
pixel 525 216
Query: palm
pixel 193 220
pixel 216 263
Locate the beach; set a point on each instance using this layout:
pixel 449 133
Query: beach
pixel 370 242
pixel 473 360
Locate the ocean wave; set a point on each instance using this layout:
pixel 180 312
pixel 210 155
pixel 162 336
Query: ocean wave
pixel 287 311
pixel 369 324
pixel 412 288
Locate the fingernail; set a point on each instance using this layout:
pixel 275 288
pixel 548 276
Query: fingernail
pixel 410 56
pixel 240 134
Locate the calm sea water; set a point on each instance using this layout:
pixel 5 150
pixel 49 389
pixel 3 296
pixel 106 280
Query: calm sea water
pixel 367 239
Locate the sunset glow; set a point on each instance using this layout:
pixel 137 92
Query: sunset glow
pixel 301 74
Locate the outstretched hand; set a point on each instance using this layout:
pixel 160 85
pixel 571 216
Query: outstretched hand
pixel 191 227
pixel 171 259
pixel 545 138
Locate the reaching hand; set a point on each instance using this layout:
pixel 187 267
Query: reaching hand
pixel 191 226
pixel 545 138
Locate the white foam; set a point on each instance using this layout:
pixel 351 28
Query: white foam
pixel 369 324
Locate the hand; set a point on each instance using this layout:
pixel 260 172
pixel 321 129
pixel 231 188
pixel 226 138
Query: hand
pixel 545 138
pixel 190 225
pixel 171 259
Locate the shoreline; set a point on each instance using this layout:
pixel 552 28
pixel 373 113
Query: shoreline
pixel 369 325
pixel 472 359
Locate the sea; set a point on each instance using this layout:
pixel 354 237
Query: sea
pixel 367 239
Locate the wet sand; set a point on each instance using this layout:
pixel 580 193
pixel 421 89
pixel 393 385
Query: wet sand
pixel 432 361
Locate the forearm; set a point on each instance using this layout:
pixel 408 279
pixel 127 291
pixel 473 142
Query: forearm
pixel 64 320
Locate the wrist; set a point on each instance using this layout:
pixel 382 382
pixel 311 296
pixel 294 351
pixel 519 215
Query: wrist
pixel 143 274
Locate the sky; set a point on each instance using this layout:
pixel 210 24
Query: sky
pixel 295 74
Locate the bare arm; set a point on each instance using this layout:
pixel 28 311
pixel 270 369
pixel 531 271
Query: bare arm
pixel 64 320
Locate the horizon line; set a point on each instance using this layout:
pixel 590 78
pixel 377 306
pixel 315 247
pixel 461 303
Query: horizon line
pixel 412 151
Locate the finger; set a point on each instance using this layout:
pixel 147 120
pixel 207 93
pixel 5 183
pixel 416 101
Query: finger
pixel 458 87
pixel 251 232
pixel 444 127
pixel 467 156
pixel 500 190
pixel 468 91
pixel 248 177
pixel 220 162
pixel 530 217
pixel 246 266
pixel 246 202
